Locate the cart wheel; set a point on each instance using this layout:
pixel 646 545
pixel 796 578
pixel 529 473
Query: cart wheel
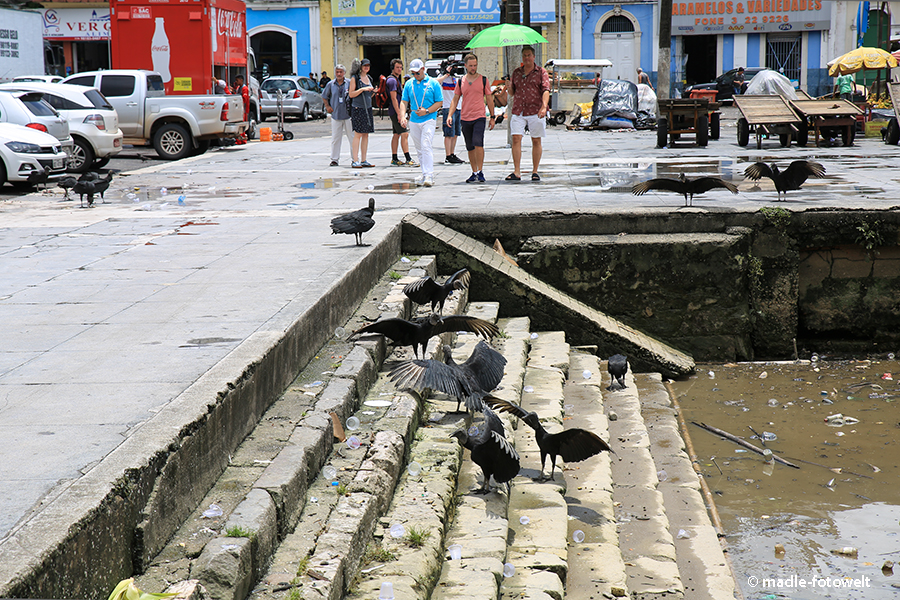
pixel 703 131
pixel 759 137
pixel 743 131
pixel 559 118
pixel 714 125
pixel 288 135
pixel 847 135
pixel 803 134
pixel 662 133
pixel 893 132
pixel 785 139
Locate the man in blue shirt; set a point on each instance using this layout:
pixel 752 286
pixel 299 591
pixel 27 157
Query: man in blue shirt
pixel 422 95
pixel 394 86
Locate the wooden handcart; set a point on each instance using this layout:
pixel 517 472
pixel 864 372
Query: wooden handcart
pixel 766 115
pixel 827 113
pixel 696 116
pixel 893 127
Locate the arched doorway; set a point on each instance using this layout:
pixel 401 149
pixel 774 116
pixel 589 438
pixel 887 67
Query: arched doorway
pixel 275 48
pixel 618 40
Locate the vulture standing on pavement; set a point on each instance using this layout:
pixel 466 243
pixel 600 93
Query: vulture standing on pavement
pixel 417 333
pixel 684 186
pixel 617 365
pixel 490 450
pixel 67 183
pixel 356 222
pixel 470 381
pixel 427 290
pixel 573 445
pixel 789 179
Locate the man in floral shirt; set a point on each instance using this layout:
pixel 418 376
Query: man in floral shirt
pixel 530 87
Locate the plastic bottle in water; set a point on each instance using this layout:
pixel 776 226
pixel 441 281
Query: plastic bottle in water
pixel 160 52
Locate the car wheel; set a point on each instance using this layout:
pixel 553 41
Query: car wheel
pixel 172 142
pixel 82 156
pixel 100 162
pixel 3 176
pixel 304 113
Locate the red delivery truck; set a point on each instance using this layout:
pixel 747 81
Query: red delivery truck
pixel 190 43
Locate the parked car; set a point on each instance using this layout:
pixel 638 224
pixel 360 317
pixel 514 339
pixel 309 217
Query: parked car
pixel 31 110
pixel 37 79
pixel 302 97
pixel 93 122
pixel 176 126
pixel 25 150
pixel 724 84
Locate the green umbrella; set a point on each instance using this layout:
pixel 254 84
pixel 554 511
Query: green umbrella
pixel 506 34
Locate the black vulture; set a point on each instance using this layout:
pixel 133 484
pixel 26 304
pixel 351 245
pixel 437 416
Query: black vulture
pixel 425 290
pixel 490 450
pixel 789 179
pixel 85 187
pixel 617 367
pixel 356 222
pixel 573 445
pixel 67 183
pixel 101 185
pixel 38 177
pixel 470 381
pixel 684 186
pixel 417 333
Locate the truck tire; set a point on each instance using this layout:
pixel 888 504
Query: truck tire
pixel 715 125
pixel 743 132
pixel 172 142
pixel 201 147
pixel 82 156
pixel 662 133
pixel 703 131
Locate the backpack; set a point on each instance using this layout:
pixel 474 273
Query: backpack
pixel 380 98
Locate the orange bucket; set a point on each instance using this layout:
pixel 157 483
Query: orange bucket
pixel 265 134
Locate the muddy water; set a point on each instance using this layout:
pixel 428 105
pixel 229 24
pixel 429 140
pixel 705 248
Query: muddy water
pixel 849 498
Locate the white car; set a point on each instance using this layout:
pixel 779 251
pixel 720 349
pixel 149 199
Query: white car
pixel 93 122
pixel 30 109
pixel 24 151
pixel 37 78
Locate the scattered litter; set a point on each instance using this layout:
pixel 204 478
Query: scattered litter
pixel 387 591
pixel 403 259
pixel 455 551
pixel 683 534
pixel 377 403
pixel 524 520
pixel 181 199
pixel 814 358
pixel 662 475
pixel 509 570
pixel 163 191
pixel 335 483
pixel 570 409
pixel 329 472
pixel 370 569
pixel 612 416
pixel 213 511
pixel 839 434
pixel 888 567
pixel 739 450
pixel 846 551
pixel 315 383
pixel 353 442
pixel 578 536
pixel 712 374
pixel 586 374
pixel 398 530
pixel 779 550
pixel 773 402
pixel 768 436
pixel 528 389
pixel 314 499
pixel 352 423
pixel 830 483
pixel 887 377
pixel 414 468
pixel 763 375
pixel 769 456
pixel 339 332
pixel 534 336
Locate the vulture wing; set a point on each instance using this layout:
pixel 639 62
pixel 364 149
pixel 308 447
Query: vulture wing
pixel 396 329
pixel 799 171
pixel 662 183
pixel 485 365
pixel 464 323
pixel 758 170
pixel 423 374
pixel 422 290
pixel 578 444
pixel 704 184
pixel 460 279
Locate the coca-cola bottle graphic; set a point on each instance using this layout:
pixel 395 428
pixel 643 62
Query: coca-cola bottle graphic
pixel 159 50
pixel 214 30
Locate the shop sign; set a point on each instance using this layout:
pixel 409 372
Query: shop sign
pixel 76 24
pixel 374 13
pixel 750 16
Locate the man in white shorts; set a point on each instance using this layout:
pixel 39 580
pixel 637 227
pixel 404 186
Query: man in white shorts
pixel 530 87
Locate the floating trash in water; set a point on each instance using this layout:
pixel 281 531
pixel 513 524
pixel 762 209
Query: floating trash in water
pixel 329 472
pixel 839 434
pixel 891 357
pixel 835 419
pixel 739 450
pixel 830 483
pixel 404 259
pixel 779 550
pixel 213 511
pixel 846 551
pixel 414 468
pixel 823 393
pixel 768 436
pixel 662 475
pixel 763 375
pixel 353 442
pixel 814 358
pixel 712 374
pixel 340 332
pixel 773 402
pixel 352 423
pixel 887 377
pixel 769 456
pixel 398 530
pixel 578 536
pixel 473 430
pixel 455 551
pixel 586 374
pixel 387 591
pixel 524 520
pixel 528 389
pixel 683 534
pixel 534 336
pixel 509 570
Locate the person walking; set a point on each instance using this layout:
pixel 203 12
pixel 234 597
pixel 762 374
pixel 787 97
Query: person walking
pixel 335 95
pixel 474 92
pixel 451 131
pixel 422 95
pixel 394 86
pixel 361 89
pixel 324 79
pixel 530 87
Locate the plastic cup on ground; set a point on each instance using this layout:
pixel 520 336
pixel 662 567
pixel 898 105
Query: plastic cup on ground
pixel 414 468
pixel 353 442
pixel 578 536
pixel 352 423
pixel 398 530
pixel 509 570
pixel 455 551
pixel 387 591
pixel 329 472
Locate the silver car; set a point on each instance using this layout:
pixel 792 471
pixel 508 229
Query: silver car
pixel 301 97
pixel 31 110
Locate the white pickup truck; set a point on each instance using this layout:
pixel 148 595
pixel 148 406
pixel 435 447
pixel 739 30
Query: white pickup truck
pixel 176 126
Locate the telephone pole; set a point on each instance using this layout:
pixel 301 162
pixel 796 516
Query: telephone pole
pixel 664 64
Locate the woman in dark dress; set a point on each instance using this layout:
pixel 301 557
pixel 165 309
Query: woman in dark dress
pixel 361 89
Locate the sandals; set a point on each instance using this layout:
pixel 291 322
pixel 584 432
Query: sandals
pixel 513 177
pixel 535 177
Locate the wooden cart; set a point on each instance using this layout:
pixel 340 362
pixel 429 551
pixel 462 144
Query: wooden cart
pixel 893 127
pixel 827 113
pixel 766 115
pixel 687 115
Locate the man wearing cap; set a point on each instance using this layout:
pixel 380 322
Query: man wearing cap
pixel 422 95
pixel 335 97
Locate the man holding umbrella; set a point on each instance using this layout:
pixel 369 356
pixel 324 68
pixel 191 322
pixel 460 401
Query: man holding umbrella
pixel 530 87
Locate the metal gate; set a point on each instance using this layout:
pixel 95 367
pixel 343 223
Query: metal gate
pixel 783 54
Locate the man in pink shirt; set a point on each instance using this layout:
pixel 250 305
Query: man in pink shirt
pixel 475 92
pixel 530 87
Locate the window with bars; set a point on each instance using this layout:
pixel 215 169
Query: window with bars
pixel 783 54
pixel 445 46
pixel 617 24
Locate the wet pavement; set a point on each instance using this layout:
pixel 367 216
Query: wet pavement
pixel 111 313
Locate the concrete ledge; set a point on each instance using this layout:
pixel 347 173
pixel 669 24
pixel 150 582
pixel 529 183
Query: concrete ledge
pixel 257 516
pixel 285 480
pixel 225 568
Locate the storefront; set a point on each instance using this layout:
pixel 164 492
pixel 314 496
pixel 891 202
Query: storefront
pixel 285 37
pixel 77 39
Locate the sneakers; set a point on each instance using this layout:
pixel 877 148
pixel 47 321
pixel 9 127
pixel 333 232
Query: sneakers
pixel 410 163
pixel 473 178
pixel 452 159
pixel 366 164
pixel 480 177
pixel 429 181
pixel 420 180
pixel 356 164
pixel 396 163
pixel 334 163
